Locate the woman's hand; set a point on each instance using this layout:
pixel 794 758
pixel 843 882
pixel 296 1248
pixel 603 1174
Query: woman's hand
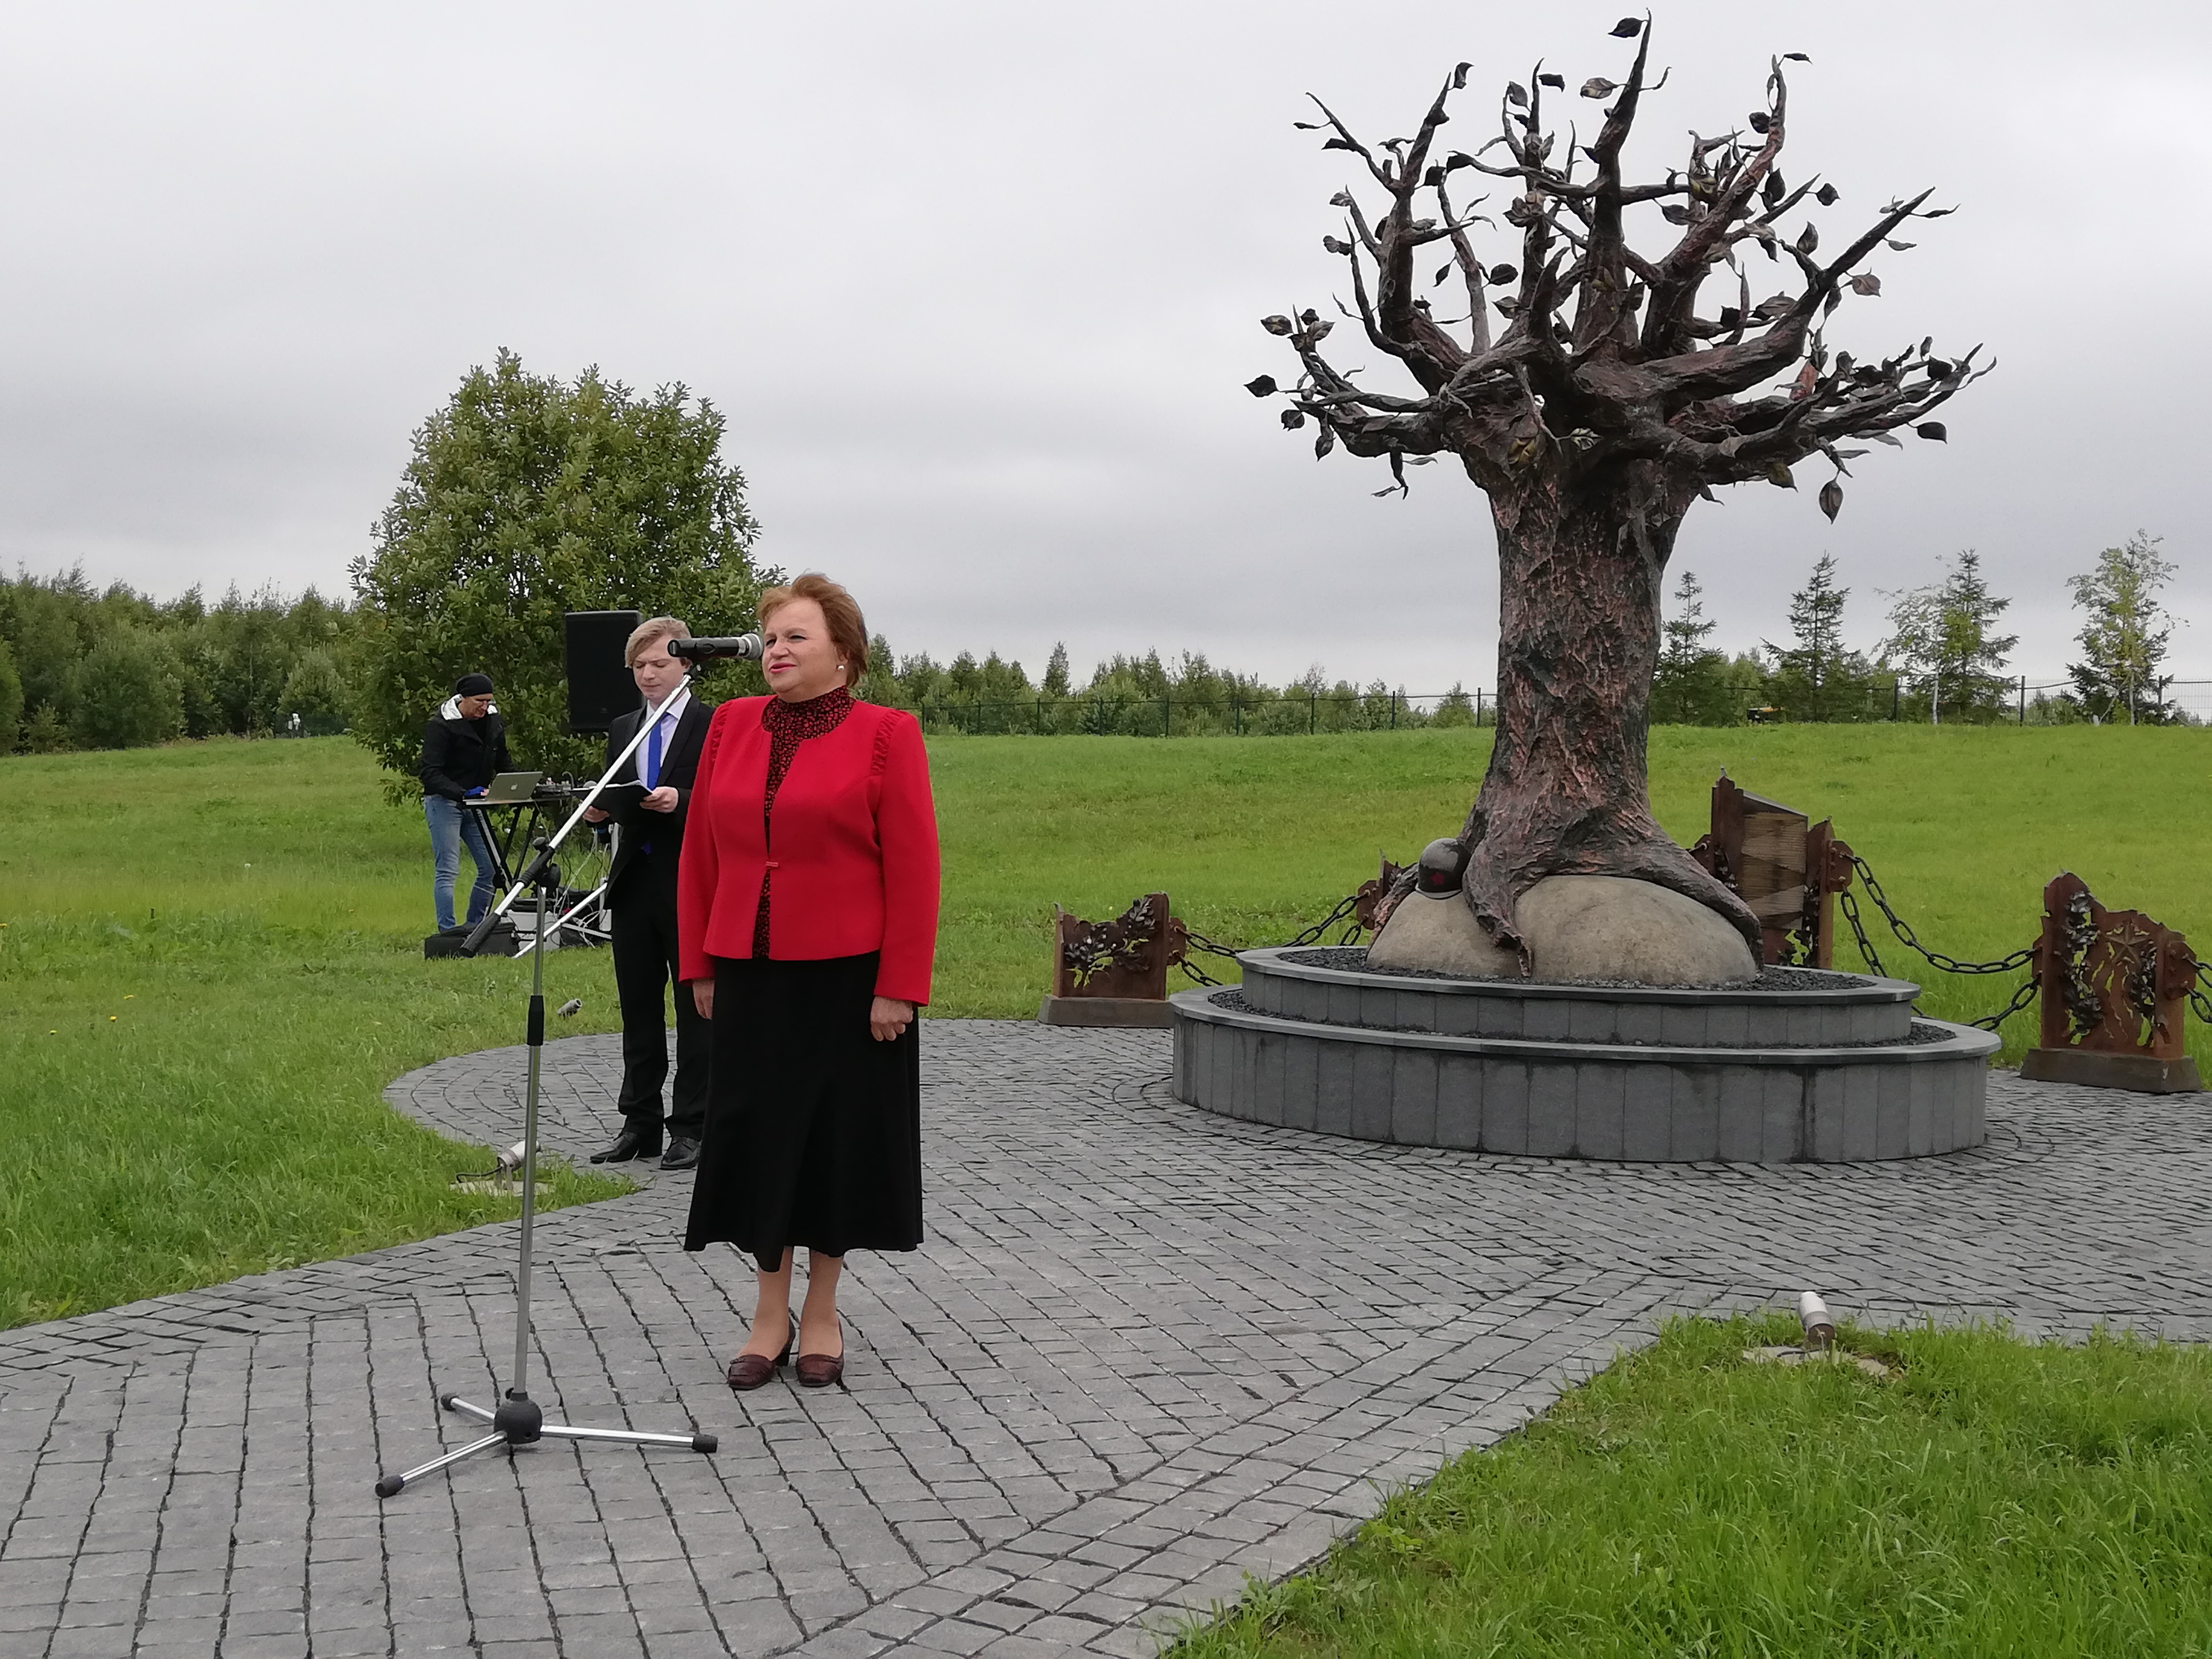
pixel 888 1019
pixel 702 997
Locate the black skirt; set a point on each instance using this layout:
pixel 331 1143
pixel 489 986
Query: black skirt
pixel 813 1127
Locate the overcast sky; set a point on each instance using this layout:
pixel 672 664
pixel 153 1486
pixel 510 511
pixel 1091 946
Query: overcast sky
pixel 976 286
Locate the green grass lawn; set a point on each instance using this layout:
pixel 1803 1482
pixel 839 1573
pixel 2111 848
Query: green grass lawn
pixel 210 954
pixel 1993 1499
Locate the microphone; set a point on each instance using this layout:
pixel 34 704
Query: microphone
pixel 747 646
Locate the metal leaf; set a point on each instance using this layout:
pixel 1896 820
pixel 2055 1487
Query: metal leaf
pixel 1796 56
pixel 1340 144
pixel 1760 120
pixel 1866 283
pixel 1263 387
pixel 1831 499
pixel 1598 87
pixel 1335 244
pixel 1442 271
pixel 1504 273
pixel 1827 194
pixel 1292 420
pixel 1674 214
pixel 1325 441
pixel 1558 83
pixel 1900 247
pixel 1627 29
pixel 1277 325
pixel 1809 238
pixel 1459 76
pixel 1777 472
pixel 1516 94
pixel 1934 429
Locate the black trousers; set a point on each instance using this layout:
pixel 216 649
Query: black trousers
pixel 814 1131
pixel 645 969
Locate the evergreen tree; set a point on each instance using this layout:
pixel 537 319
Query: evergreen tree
pixel 2123 642
pixel 1819 679
pixel 1056 672
pixel 1690 688
pixel 1941 634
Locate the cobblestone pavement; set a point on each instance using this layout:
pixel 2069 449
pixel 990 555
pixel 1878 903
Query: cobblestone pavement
pixel 1145 1352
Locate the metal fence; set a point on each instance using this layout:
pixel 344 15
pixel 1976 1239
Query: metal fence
pixel 2017 701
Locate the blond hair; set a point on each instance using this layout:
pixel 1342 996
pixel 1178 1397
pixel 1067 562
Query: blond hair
pixel 653 627
pixel 839 610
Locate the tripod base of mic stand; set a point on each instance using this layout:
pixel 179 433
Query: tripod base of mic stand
pixel 519 1422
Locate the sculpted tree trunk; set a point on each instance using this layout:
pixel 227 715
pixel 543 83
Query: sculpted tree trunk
pixel 1604 409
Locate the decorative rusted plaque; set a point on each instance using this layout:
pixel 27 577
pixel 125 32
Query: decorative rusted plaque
pixel 1786 868
pixel 1114 973
pixel 2114 986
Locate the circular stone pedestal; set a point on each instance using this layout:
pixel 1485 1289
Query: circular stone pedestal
pixel 1801 1066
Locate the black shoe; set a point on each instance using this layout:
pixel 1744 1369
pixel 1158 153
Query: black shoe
pixel 683 1153
pixel 629 1144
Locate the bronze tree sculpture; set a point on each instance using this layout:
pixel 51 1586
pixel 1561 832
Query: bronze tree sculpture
pixel 1602 408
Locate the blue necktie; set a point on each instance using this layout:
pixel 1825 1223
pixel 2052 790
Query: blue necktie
pixel 652 758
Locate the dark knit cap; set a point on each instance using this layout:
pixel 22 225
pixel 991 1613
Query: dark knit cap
pixel 472 686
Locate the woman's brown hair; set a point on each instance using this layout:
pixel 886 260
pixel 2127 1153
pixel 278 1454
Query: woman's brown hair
pixel 839 610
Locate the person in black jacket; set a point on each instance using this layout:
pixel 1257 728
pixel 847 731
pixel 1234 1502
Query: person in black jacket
pixel 463 749
pixel 641 893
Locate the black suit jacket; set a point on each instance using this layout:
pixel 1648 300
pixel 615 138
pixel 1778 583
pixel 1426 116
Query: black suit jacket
pixel 678 765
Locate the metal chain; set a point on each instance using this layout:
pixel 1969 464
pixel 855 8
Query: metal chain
pixel 1850 904
pixel 2013 963
pixel 2020 999
pixel 1198 942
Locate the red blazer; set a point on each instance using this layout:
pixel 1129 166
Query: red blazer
pixel 853 842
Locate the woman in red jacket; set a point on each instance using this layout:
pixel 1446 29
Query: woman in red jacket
pixel 806 916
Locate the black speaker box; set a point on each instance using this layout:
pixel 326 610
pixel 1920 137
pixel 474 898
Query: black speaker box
pixel 600 686
pixel 501 941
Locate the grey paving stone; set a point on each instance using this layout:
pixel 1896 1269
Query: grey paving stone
pixel 1145 1351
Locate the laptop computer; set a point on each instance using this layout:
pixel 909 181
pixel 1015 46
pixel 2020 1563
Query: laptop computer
pixel 508 789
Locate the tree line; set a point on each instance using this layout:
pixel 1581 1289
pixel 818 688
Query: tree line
pixel 83 667
pixel 527 496
pixel 1941 660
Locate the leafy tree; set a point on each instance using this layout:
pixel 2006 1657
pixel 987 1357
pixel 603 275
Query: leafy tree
pixel 2123 642
pixel 1942 634
pixel 46 622
pixel 1819 679
pixel 1690 686
pixel 1056 672
pixel 316 692
pixel 528 497
pixel 126 693
pixel 11 698
pixel 1456 710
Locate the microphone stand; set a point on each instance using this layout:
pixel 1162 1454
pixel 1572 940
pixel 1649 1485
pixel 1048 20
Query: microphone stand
pixel 518 1420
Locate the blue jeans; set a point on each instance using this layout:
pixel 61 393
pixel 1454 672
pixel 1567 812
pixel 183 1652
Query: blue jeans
pixel 452 823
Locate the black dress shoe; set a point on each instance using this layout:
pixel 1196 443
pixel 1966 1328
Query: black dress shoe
pixel 683 1153
pixel 629 1144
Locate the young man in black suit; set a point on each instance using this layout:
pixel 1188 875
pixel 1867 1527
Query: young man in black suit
pixel 641 893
